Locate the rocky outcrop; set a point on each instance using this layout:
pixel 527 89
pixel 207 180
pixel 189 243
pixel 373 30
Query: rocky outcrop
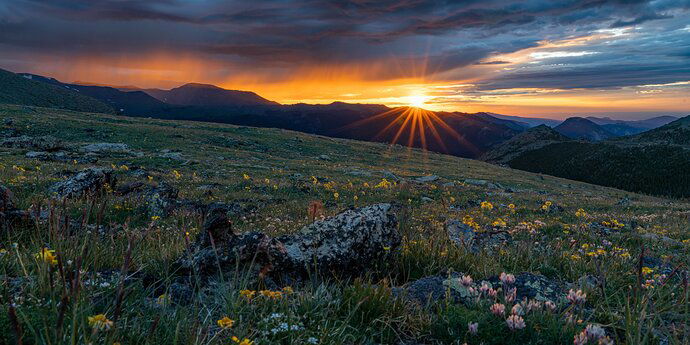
pixel 89 181
pixel 475 241
pixel 45 143
pixel 8 211
pixel 343 244
pixel 160 199
pixel 105 148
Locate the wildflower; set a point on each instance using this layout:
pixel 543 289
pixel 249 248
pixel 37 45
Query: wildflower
pixel 162 300
pixel 507 278
pixel 500 223
pixel 288 290
pixel 487 206
pixel 594 332
pixel 533 305
pixel 647 270
pixel 47 255
pixel 383 184
pixel 497 309
pixel 466 280
pixel 155 218
pixel 336 195
pixel 452 199
pixel 225 322
pixel 580 339
pixel 244 341
pixel 472 327
pixel 576 297
pixel 517 310
pixel 515 322
pixel 355 198
pixel 312 340
pixel 100 322
pixel 510 295
pixel 176 174
pixel 387 248
pixel 580 213
pixel 511 207
pixel 249 294
pixel 245 177
pixel 484 288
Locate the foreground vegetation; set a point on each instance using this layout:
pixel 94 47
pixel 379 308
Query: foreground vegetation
pixel 110 280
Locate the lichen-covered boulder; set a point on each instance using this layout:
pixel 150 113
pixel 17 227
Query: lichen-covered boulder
pixel 431 289
pixel 45 143
pixel 160 199
pixel 346 242
pixel 89 181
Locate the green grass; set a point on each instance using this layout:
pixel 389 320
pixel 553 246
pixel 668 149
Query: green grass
pixel 15 89
pixel 285 171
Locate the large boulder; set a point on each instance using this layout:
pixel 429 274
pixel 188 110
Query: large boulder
pixel 89 181
pixel 463 235
pixel 349 241
pixel 344 244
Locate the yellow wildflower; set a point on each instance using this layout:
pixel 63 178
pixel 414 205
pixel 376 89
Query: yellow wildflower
pixel 47 255
pixel 485 205
pixel 249 294
pixel 225 322
pixel 100 322
pixel 245 176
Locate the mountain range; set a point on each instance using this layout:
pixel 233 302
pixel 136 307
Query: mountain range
pixel 600 150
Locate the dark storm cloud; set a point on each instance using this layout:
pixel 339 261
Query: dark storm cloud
pixel 439 35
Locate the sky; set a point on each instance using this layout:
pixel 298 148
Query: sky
pixel 626 59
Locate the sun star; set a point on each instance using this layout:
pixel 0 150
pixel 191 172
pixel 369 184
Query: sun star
pixel 417 100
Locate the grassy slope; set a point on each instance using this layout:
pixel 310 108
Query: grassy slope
pixel 335 312
pixel 15 89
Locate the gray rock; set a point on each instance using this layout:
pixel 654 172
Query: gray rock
pixel 160 199
pixel 474 241
pixel 390 176
pixel 427 178
pixel 534 286
pixel 38 155
pixel 325 157
pixel 8 121
pixel 460 233
pixel 430 289
pixel 45 143
pixel 106 148
pixel 172 155
pixel 88 181
pixel 345 243
pixel 624 201
pixel 427 200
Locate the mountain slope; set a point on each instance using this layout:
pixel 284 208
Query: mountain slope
pixel 194 94
pixel 581 128
pixel 674 133
pixel 17 89
pixel 532 139
pixel 131 103
pixel 655 162
pixel 623 128
pixel 530 121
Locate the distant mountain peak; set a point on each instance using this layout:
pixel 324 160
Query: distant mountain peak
pixel 199 86
pixel 581 128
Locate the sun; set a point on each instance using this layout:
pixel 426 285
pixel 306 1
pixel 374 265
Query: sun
pixel 417 100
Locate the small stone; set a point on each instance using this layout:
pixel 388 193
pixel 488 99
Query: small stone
pixel 106 148
pixel 427 178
